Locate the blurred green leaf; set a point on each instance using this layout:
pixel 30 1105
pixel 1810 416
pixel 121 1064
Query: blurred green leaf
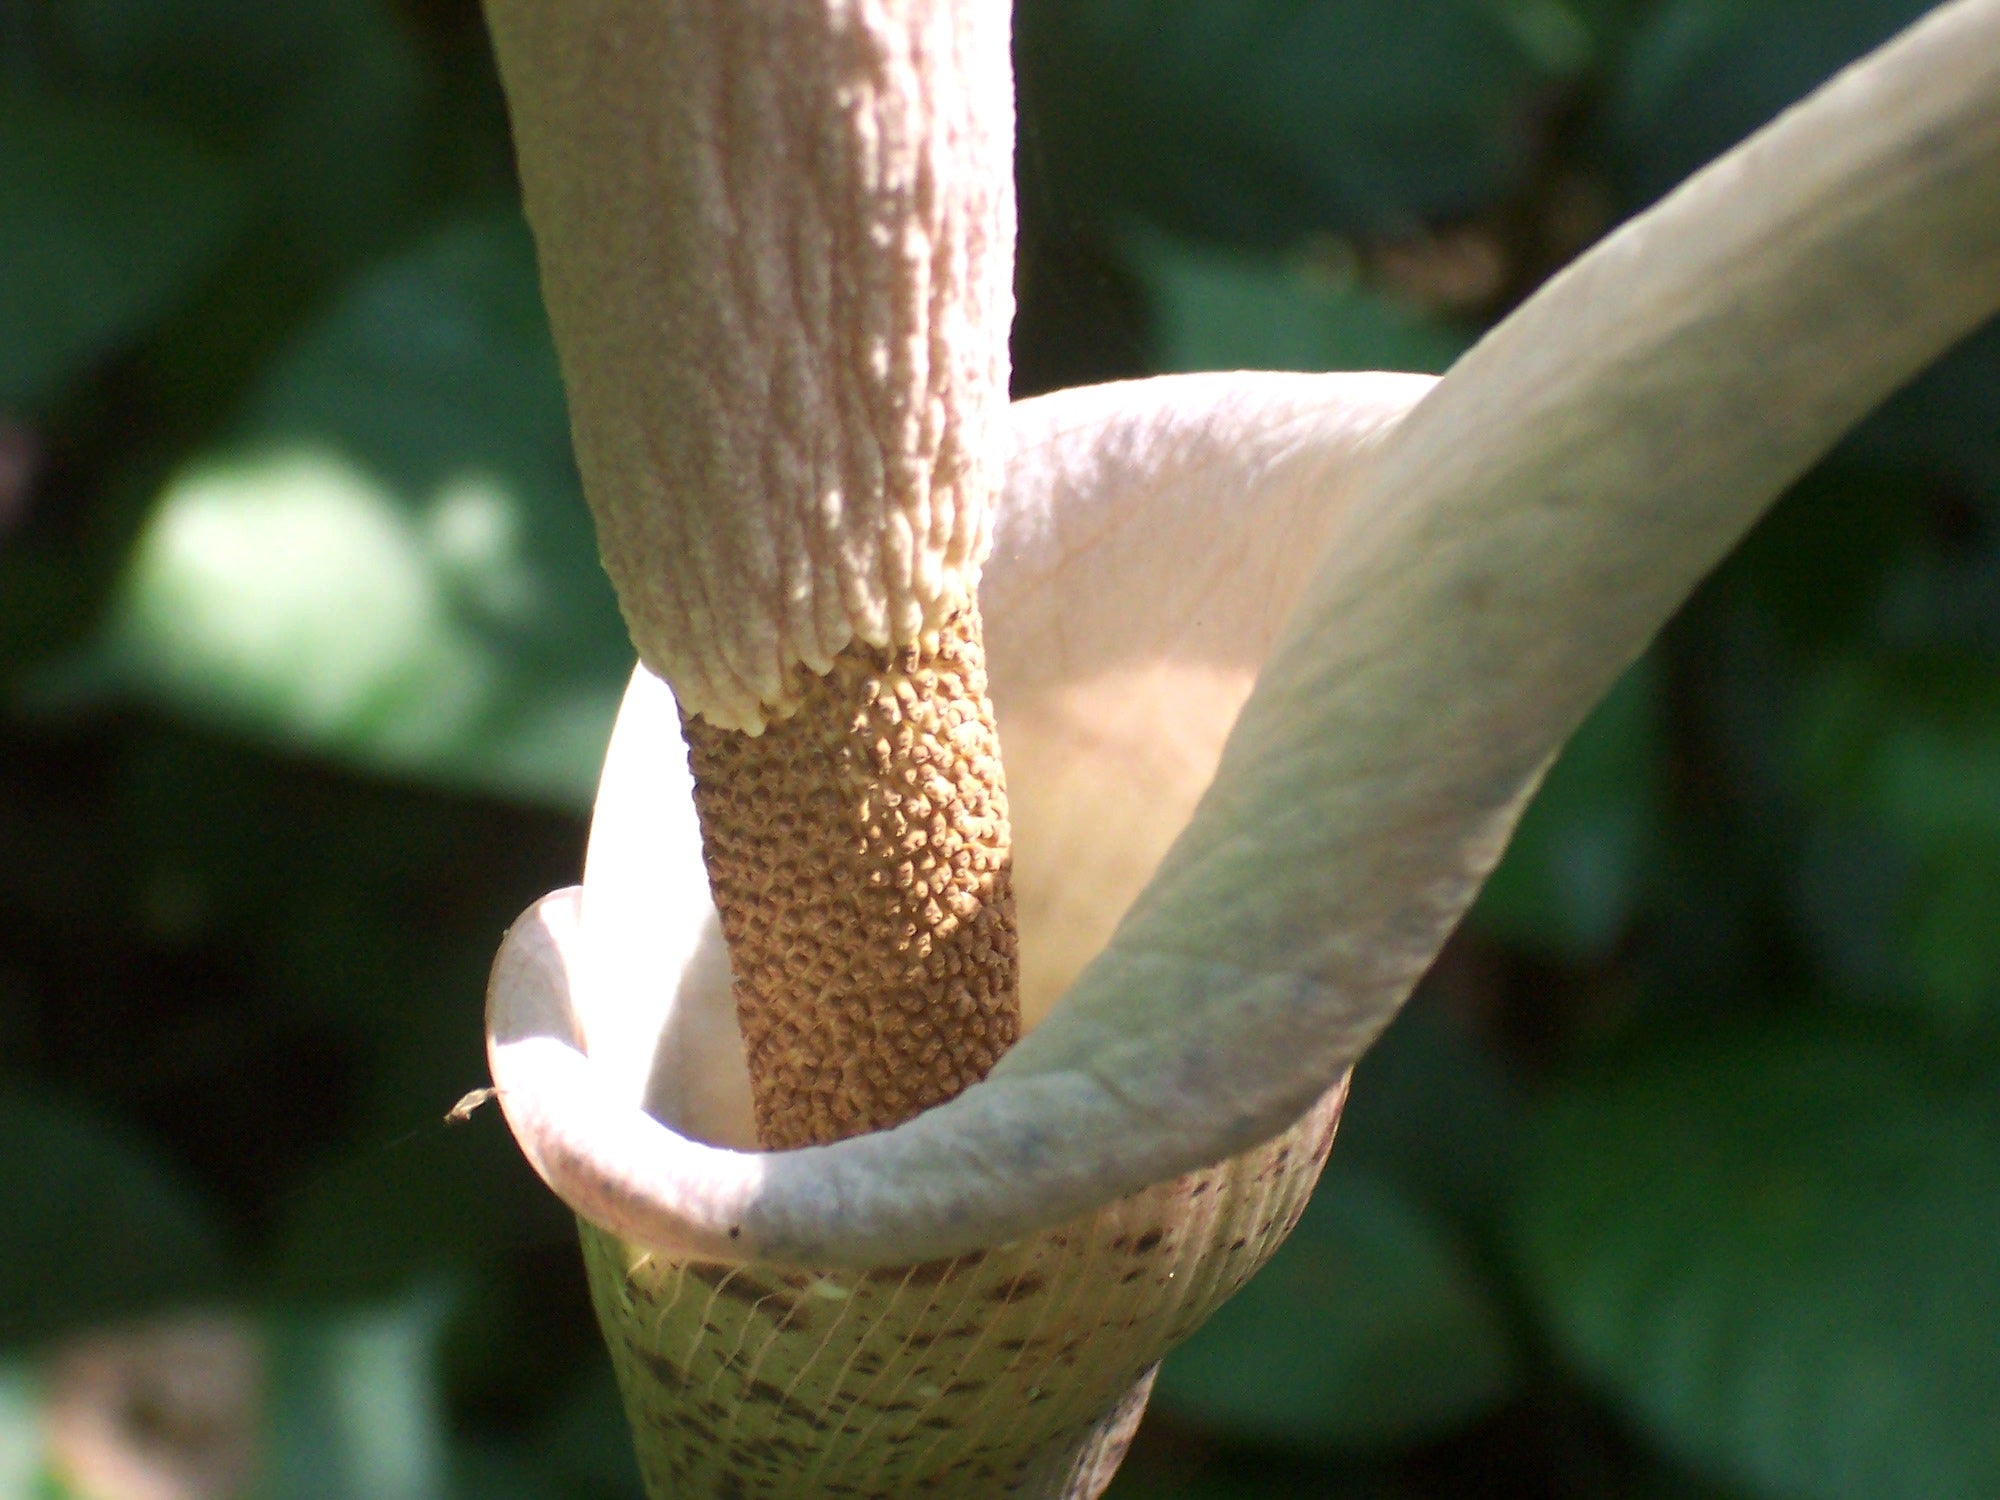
pixel 1223 310
pixel 1702 74
pixel 1903 754
pixel 1954 926
pixel 490 1471
pixel 1948 419
pixel 354 921
pixel 1560 36
pixel 355 1405
pixel 391 562
pixel 1820 564
pixel 445 1199
pixel 1433 1111
pixel 1654 1481
pixel 1608 23
pixel 1572 876
pixel 586 1444
pixel 94 1227
pixel 1241 1476
pixel 1781 1256
pixel 1261 120
pixel 1851 881
pixel 1912 740
pixel 1370 1326
pixel 319 99
pixel 104 222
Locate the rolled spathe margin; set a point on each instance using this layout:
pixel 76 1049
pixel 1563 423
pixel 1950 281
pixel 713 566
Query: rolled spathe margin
pixel 624 1170
pixel 1516 540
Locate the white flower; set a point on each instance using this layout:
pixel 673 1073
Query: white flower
pixel 1277 661
pixel 1431 587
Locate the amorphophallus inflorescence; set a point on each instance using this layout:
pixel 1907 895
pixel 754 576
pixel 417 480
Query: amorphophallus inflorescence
pixel 1275 661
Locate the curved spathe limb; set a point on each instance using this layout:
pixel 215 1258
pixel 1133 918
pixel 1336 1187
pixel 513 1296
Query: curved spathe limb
pixel 1523 535
pixel 1514 543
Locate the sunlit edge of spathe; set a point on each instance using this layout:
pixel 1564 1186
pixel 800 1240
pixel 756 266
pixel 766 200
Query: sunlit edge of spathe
pixel 603 1155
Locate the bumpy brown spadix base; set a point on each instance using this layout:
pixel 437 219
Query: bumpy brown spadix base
pixel 859 856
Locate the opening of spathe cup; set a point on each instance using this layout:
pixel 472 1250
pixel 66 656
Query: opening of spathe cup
pixel 654 1009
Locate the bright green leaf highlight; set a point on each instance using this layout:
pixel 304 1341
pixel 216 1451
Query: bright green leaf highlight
pixel 391 563
pixel 20 1430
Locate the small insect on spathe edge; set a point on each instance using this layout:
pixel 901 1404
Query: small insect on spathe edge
pixel 460 1112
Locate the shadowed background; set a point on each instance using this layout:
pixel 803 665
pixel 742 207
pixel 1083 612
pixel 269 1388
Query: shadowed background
pixel 1680 1179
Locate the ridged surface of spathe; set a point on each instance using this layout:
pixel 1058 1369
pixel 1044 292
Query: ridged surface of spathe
pixel 1018 1371
pixel 859 855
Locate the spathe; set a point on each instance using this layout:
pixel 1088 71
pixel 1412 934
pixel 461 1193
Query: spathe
pixel 1151 540
pixel 1493 557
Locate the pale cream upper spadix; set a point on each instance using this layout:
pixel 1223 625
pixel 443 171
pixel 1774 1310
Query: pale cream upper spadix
pixel 1499 554
pixel 776 248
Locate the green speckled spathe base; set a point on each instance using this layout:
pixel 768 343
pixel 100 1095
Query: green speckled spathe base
pixel 1020 1370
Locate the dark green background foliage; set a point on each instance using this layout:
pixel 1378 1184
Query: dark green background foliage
pixel 1682 1176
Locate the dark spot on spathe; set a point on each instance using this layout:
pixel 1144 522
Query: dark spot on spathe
pixel 1013 1290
